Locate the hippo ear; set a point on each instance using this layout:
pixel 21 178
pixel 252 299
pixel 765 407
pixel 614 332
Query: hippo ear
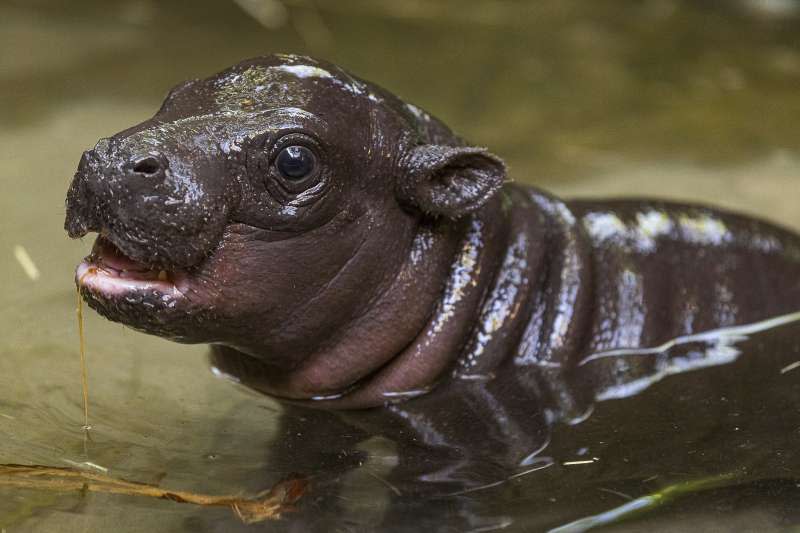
pixel 450 181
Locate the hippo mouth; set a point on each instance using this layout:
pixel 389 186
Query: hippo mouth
pixel 108 272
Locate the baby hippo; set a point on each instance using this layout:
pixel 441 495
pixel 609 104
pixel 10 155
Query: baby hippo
pixel 339 248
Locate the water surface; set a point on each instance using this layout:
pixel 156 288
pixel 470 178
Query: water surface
pixel 687 100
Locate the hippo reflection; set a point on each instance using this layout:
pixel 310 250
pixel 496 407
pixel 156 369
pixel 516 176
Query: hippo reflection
pixel 343 250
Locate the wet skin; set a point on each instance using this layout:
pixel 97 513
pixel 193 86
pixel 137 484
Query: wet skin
pixel 343 250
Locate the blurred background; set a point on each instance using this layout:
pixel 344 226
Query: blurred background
pixel 692 100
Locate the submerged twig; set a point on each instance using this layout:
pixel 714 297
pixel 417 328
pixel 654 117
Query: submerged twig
pixel 643 504
pixel 270 504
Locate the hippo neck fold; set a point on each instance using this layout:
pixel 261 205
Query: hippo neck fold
pixel 516 293
pixel 510 278
pixel 473 265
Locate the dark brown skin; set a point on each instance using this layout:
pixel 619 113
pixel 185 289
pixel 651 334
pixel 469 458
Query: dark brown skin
pixel 403 262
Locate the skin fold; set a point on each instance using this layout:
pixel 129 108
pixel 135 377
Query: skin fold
pixel 405 272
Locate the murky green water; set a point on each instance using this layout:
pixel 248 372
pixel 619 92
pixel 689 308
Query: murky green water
pixel 690 100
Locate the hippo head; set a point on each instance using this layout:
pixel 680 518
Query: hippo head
pixel 265 207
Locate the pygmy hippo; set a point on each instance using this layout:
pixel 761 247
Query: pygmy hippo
pixel 342 249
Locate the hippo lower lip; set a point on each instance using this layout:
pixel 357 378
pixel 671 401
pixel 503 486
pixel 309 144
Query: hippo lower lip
pixel 110 273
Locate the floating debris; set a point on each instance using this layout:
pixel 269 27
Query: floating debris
pixel 789 368
pixel 25 261
pixel 584 462
pixel 266 505
pixel 86 464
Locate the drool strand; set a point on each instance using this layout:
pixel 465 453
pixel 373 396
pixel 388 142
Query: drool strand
pixel 84 373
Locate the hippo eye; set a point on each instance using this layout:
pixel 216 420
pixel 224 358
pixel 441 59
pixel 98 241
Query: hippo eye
pixel 295 162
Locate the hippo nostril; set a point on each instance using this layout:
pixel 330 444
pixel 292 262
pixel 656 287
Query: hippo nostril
pixel 148 165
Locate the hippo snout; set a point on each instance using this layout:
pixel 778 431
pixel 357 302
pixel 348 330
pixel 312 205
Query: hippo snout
pixel 90 185
pixel 157 208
